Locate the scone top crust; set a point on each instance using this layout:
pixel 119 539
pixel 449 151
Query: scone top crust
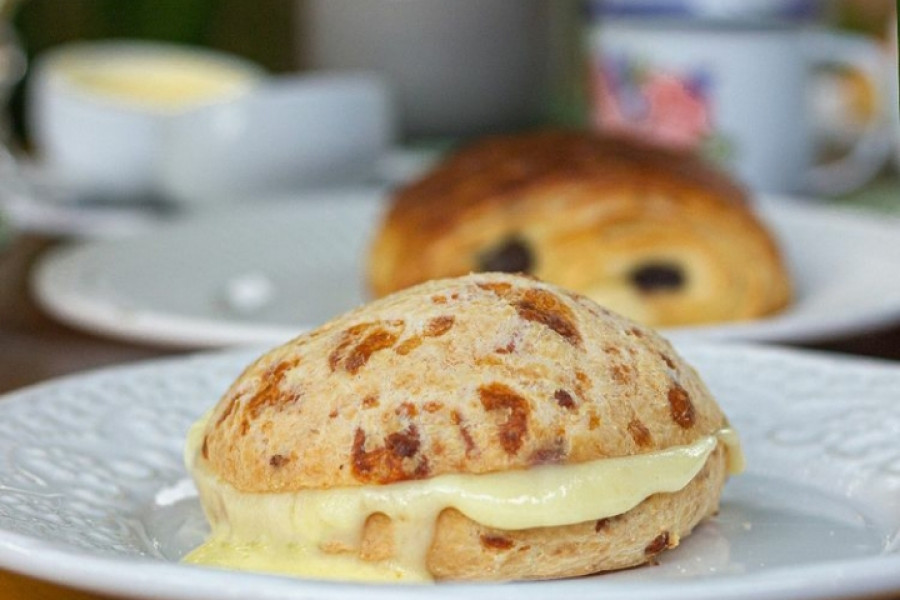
pixel 476 374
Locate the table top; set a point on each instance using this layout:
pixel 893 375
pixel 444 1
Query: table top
pixel 34 347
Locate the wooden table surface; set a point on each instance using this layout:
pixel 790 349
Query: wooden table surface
pixel 34 347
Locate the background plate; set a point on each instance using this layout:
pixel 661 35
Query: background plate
pixel 262 274
pixel 93 493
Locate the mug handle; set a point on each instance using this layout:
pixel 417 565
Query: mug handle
pixel 874 146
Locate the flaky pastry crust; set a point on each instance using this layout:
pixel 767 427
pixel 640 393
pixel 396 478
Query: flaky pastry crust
pixel 663 238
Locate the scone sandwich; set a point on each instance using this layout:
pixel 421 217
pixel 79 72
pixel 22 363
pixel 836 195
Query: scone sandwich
pixel 488 427
pixel 661 237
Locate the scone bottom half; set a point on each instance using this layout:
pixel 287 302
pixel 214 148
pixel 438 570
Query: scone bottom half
pixel 487 427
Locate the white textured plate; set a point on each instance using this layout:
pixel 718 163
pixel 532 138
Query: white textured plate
pixel 93 493
pixel 264 273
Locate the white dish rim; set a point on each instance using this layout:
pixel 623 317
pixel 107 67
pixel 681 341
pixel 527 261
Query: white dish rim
pixel 98 315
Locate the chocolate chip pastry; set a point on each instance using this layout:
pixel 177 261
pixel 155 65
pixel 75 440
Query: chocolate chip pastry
pixel 454 383
pixel 660 237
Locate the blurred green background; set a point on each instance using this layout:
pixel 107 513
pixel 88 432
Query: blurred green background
pixel 259 29
pixel 266 30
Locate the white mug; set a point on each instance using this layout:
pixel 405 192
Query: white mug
pixel 97 111
pixel 739 92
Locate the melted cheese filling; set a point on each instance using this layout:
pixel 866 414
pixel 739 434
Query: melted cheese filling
pixel 289 532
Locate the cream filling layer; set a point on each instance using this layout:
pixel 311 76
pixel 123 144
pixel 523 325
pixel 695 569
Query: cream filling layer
pixel 317 533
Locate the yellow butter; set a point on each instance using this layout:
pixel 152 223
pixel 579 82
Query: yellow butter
pixel 160 81
pixel 286 532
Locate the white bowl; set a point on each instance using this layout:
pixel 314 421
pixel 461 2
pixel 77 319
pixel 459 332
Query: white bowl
pixel 294 132
pixel 97 111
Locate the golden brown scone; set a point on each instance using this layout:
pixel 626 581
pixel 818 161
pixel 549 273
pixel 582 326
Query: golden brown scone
pixel 663 238
pixel 479 374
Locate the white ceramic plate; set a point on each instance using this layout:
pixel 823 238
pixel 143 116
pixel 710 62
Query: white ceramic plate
pixel 94 494
pixel 264 273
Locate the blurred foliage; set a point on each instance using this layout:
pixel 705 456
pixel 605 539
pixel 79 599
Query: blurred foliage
pixel 261 30
pixel 865 16
pixel 42 24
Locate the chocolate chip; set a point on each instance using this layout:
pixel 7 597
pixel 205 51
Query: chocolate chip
pixel 403 443
pixel 659 543
pixel 681 407
pixel 512 256
pixel 496 542
pixel 278 460
pixel 656 277
pixel 564 399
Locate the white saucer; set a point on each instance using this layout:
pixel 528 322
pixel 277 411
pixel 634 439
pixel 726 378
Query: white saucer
pixel 35 199
pixel 265 273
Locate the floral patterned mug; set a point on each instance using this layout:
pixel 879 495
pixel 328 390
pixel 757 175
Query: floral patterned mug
pixel 734 84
